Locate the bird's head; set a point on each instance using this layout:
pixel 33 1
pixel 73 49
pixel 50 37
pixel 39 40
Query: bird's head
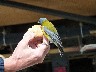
pixel 41 20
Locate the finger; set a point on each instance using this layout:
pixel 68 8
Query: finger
pixel 44 49
pixel 45 41
pixel 47 50
pixel 82 49
pixel 27 36
pixel 45 44
pixel 85 48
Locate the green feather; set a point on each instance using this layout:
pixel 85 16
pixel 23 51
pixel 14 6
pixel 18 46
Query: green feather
pixel 49 26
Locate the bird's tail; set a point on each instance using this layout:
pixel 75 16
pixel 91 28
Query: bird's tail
pixel 63 56
pixel 60 47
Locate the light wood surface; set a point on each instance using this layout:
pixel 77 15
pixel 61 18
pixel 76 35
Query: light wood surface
pixel 13 16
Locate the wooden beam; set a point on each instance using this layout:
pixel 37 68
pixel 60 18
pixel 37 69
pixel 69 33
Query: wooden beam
pixel 12 16
pixel 73 53
pixel 80 7
pixel 68 49
pixel 54 51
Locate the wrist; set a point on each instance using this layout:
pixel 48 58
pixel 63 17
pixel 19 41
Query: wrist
pixel 9 65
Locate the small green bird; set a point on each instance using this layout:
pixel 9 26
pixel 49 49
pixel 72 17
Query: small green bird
pixel 51 33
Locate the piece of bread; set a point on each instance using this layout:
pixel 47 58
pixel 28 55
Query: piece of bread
pixel 36 29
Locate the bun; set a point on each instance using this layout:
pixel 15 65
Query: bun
pixel 36 29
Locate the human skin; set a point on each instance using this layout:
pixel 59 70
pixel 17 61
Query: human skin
pixel 24 55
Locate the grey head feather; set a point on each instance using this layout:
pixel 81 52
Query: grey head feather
pixel 41 20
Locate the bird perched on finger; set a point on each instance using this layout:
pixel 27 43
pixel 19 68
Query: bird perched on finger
pixel 51 33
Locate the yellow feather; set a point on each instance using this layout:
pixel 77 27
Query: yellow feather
pixel 49 25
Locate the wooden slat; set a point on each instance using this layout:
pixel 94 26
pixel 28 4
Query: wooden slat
pixel 54 51
pixel 69 49
pixel 82 7
pixel 12 16
pixel 73 53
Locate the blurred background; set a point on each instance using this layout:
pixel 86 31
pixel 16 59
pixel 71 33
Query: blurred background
pixel 74 20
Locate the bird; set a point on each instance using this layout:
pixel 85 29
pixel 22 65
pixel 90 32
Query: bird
pixel 50 32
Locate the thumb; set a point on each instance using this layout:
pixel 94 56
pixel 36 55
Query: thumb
pixel 45 45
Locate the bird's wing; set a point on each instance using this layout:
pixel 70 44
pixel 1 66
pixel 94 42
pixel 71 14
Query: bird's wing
pixel 53 36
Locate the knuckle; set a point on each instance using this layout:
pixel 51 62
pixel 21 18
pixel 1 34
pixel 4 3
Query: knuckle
pixel 38 57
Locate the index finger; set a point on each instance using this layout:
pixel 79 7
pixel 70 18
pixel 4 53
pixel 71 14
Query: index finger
pixel 45 45
pixel 45 41
pixel 27 36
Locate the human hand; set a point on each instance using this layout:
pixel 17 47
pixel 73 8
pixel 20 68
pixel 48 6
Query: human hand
pixel 27 53
pixel 88 47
